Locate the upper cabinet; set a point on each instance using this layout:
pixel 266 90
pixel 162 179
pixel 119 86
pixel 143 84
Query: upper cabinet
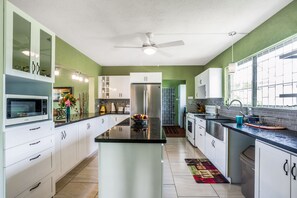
pixel 208 84
pixel 146 77
pixel 114 87
pixel 30 47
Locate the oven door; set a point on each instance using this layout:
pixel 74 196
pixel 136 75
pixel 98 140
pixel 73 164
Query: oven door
pixel 191 129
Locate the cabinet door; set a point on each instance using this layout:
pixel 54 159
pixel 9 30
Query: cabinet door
pixel 272 175
pixel 124 87
pixel 220 155
pixel 19 43
pixel 293 176
pixel 83 131
pixel 215 83
pixel 147 77
pixel 103 87
pixel 69 137
pixel 209 147
pixel 45 54
pixel 200 138
pixel 196 86
pixel 114 87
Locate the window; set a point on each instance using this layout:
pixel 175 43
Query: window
pixel 241 82
pixel 274 72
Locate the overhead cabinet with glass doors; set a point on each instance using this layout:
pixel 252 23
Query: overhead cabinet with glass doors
pixel 30 47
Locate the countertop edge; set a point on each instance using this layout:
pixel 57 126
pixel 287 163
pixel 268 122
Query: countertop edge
pixel 274 143
pixel 86 118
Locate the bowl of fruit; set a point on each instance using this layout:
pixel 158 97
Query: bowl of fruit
pixel 140 119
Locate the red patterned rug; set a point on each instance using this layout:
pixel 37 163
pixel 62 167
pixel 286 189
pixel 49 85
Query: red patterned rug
pixel 174 131
pixel 204 171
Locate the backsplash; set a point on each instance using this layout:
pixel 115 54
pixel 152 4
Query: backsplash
pixel 192 103
pixel 117 102
pixel 282 117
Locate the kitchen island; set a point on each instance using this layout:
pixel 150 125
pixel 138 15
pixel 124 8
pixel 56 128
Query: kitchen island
pixel 131 160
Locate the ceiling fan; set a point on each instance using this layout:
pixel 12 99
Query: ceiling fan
pixel 149 47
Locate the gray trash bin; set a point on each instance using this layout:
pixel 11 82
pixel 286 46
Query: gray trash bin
pixel 247 158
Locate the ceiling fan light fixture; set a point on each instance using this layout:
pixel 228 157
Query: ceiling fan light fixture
pixel 149 50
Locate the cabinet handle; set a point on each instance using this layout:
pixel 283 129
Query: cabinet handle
pixel 62 133
pixel 200 134
pixel 102 121
pixel 35 186
pixel 34 143
pixel 33 129
pixel 33 67
pixel 292 171
pixel 214 144
pixel 38 68
pixel 34 158
pixel 88 125
pixel 65 134
pixel 200 81
pixel 285 167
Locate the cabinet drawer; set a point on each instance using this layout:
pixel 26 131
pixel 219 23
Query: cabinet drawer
pixel 201 122
pixel 43 188
pixel 22 134
pixel 28 172
pixel 26 150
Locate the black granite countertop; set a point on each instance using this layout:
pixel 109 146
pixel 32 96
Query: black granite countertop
pixel 285 139
pixel 77 118
pixel 128 132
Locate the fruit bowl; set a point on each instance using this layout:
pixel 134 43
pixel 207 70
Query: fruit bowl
pixel 140 119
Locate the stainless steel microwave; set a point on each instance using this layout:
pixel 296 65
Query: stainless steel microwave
pixel 24 108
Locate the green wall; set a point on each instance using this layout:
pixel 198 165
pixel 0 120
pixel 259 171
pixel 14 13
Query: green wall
pixel 174 84
pixel 70 60
pixel 280 26
pixel 186 73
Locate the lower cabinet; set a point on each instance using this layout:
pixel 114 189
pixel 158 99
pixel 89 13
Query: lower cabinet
pixel 200 137
pixel 275 172
pixel 74 142
pixel 216 152
pixel 29 161
pixel 66 147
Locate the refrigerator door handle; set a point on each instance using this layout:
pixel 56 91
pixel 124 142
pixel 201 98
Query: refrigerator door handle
pixel 146 104
pixel 144 101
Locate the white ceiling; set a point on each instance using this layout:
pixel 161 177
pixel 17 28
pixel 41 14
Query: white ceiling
pixel 95 26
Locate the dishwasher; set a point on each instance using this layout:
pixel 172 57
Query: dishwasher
pixel 216 144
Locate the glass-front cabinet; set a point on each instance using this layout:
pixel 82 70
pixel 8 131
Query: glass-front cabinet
pixel 30 47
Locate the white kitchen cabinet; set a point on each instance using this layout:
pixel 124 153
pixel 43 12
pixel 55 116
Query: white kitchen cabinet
pixel 275 171
pixel 116 119
pixel 209 148
pixel 216 152
pixel 119 87
pixel 293 176
pixel 114 87
pixel 27 172
pixel 68 147
pixel 30 47
pixel 146 77
pixel 208 84
pixel 200 133
pixel 84 129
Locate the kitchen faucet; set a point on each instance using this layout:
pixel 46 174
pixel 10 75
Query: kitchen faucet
pixel 236 100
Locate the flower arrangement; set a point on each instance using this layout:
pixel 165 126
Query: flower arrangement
pixel 68 100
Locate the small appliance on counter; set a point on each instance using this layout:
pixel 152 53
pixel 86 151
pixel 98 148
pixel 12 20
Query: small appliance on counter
pixel 102 109
pixel 127 109
pixel 120 109
pixel 113 107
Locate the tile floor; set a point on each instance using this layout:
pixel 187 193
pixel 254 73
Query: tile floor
pixel 178 182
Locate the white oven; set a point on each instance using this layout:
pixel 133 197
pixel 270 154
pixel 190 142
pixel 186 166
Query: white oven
pixel 190 128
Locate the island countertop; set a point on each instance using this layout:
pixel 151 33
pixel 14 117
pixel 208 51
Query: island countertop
pixel 285 139
pixel 128 132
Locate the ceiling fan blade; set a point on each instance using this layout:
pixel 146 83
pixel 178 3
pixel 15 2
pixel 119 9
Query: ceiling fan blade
pixel 126 47
pixel 171 44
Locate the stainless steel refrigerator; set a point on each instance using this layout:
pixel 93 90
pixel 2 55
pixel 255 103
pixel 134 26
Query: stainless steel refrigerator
pixel 146 99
